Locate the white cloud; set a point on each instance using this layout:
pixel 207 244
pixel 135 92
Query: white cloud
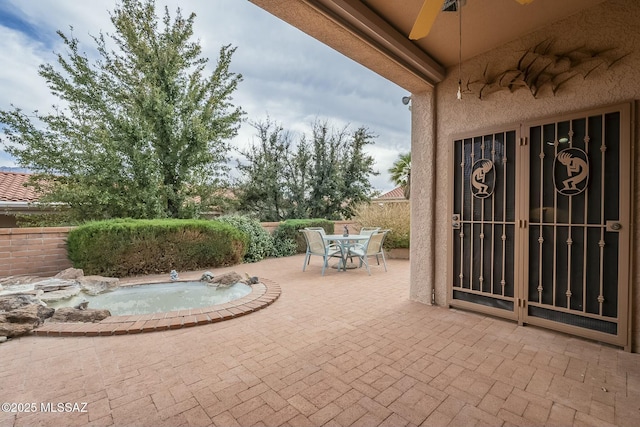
pixel 19 79
pixel 287 75
pixel 7 160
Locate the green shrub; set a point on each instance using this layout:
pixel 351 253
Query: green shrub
pixel 288 230
pixel 130 247
pixel 260 243
pixel 393 216
pixel 284 247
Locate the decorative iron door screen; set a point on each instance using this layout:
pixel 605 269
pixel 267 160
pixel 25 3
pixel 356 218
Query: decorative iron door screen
pixel 541 224
pixel 484 222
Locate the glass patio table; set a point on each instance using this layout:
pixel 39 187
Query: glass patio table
pixel 345 242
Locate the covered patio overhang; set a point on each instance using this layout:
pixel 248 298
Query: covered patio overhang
pixel 375 33
pixel 469 52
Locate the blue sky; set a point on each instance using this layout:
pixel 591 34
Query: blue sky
pixel 288 75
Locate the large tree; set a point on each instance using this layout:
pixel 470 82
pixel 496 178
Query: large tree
pixel 266 186
pixel 322 175
pixel 140 132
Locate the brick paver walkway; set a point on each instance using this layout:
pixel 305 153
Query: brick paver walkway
pixel 346 349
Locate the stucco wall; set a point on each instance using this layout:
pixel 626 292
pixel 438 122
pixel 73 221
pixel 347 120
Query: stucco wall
pixel 423 193
pixel 611 24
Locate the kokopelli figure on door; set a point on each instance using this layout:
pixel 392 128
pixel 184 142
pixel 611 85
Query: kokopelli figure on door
pixel 577 170
pixel 482 178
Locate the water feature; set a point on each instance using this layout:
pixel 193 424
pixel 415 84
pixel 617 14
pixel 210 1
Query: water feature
pixel 158 297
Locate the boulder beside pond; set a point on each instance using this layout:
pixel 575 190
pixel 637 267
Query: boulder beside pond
pixel 15 301
pixel 23 300
pixel 69 314
pixel 94 285
pixel 70 274
pixel 226 279
pixel 20 314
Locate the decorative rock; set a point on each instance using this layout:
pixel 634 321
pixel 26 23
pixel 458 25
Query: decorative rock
pixel 11 330
pixel 23 308
pixel 21 321
pixel 50 285
pixel 32 313
pixel 18 280
pixel 68 314
pixel 251 280
pixel 23 316
pixel 207 276
pixel 70 274
pixel 18 288
pixel 227 279
pixel 82 306
pixel 60 294
pixel 94 285
pixel 15 301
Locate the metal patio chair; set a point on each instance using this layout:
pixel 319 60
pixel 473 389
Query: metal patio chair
pixel 320 229
pixel 373 247
pixel 316 245
pixel 369 230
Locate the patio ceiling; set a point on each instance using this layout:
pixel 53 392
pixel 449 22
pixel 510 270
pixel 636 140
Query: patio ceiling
pixel 375 32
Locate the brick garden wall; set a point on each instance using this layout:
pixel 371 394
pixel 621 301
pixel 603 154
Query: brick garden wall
pixel 43 252
pixel 33 251
pixel 338 226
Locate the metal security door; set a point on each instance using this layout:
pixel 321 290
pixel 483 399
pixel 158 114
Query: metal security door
pixel 577 276
pixel 484 236
pixel 540 224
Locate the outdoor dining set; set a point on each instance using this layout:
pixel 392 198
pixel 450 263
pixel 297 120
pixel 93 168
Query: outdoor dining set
pixel 367 243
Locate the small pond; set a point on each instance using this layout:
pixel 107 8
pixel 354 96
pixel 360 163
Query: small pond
pixel 158 297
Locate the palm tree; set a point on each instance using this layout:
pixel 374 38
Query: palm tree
pixel 401 173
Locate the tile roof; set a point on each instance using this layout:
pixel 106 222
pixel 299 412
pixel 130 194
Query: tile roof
pixel 396 193
pixel 12 188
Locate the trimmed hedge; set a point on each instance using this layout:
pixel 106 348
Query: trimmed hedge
pixel 288 230
pixel 126 247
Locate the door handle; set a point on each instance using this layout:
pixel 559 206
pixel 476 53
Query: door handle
pixel 613 226
pixel 455 221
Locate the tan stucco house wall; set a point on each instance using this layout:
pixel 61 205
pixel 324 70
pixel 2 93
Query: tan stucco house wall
pixel 437 116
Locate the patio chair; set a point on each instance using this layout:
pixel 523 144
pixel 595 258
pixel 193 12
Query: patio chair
pixel 373 247
pixel 368 230
pixel 320 229
pixel 316 245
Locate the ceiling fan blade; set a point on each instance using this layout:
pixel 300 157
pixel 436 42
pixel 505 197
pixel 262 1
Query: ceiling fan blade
pixel 425 19
pixel 524 1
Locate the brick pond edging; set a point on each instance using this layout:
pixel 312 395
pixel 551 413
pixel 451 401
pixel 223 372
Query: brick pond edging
pixel 262 294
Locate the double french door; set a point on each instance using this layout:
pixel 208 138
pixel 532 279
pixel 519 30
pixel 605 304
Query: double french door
pixel 541 223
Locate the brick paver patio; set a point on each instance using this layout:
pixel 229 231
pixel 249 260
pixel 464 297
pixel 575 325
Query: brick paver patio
pixel 346 349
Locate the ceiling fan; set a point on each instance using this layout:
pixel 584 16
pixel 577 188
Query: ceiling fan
pixel 429 11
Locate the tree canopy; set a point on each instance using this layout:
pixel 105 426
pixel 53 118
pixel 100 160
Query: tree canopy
pixel 140 132
pixel 322 175
pixel 401 173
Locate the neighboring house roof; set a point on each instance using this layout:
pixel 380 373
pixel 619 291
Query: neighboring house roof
pixel 13 189
pixel 396 193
